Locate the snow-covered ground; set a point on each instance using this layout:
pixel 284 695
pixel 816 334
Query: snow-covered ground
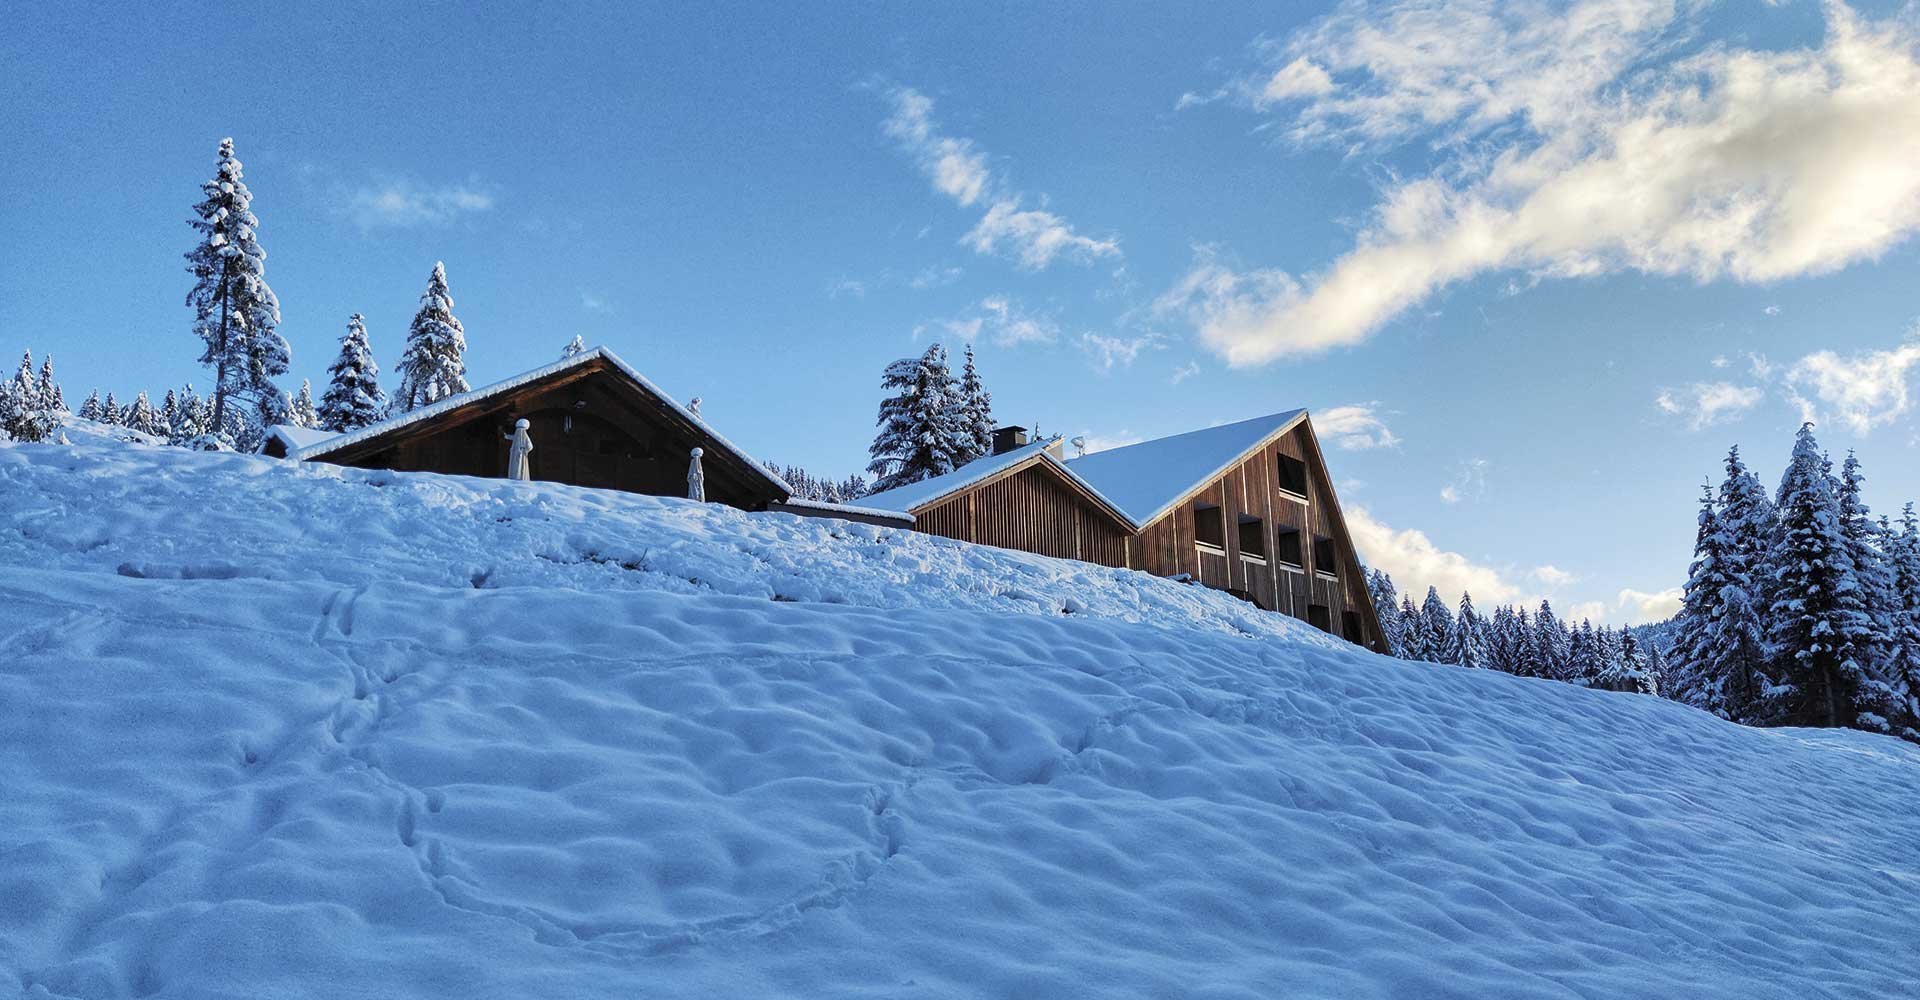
pixel 289 731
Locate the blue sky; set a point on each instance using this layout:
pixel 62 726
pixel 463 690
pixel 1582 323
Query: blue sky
pixel 1533 266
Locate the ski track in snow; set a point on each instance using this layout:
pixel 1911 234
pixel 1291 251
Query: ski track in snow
pixel 272 730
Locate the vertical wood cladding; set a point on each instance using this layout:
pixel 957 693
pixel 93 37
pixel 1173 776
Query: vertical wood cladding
pixel 1032 510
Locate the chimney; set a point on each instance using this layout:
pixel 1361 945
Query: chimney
pixel 1006 439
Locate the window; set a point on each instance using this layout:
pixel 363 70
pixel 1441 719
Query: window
pixel 1293 477
pixel 1320 616
pixel 1350 626
pixel 1253 538
pixel 1288 547
pixel 1324 561
pixel 1209 527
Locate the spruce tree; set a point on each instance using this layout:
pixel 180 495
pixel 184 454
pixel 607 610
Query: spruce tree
pixel 235 314
pixel 1500 644
pixel 1550 643
pixel 1628 669
pixel 1879 697
pixel 169 417
pixel 52 400
pixel 1411 642
pixel 434 365
pixel 1381 591
pixel 1467 641
pixel 353 398
pixel 140 416
pixel 90 409
pixel 919 437
pixel 302 414
pixel 975 413
pixel 1904 672
pixel 110 411
pixel 194 420
pixel 1818 623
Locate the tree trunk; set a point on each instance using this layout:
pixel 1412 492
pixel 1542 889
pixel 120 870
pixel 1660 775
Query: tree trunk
pixel 220 358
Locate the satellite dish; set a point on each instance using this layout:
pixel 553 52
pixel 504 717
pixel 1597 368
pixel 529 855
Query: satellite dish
pixel 1079 447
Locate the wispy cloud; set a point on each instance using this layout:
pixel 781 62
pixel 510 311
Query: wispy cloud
pixel 847 288
pixel 1704 404
pixel 1185 372
pixel 1033 237
pixel 594 302
pixel 934 277
pixel 1864 390
pixel 998 320
pixel 1355 427
pixel 1469 482
pixel 1597 137
pixel 400 203
pixel 1110 352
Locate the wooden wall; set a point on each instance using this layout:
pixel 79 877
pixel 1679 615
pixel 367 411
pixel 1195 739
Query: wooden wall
pixel 1033 510
pixel 1167 547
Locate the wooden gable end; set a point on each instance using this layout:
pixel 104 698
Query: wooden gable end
pixel 1032 507
pixel 1244 533
pixel 591 426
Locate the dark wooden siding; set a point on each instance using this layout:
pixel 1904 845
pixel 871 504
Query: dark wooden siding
pixel 1167 546
pixel 1033 510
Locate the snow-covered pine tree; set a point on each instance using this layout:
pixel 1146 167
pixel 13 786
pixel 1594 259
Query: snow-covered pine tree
pixel 1411 642
pixel 353 398
pixel 302 413
pixel 194 420
pixel 434 365
pixel 52 400
pixel 169 416
pixel 1550 643
pixel 574 346
pixel 1818 622
pixel 1500 639
pixel 1586 657
pixel 110 411
pixel 1881 692
pixel 1467 640
pixel 140 416
pixel 919 435
pixel 90 409
pixel 1386 607
pixel 976 413
pixel 235 314
pixel 1628 670
pixel 1904 548
pixel 1436 622
pixel 1526 646
pixel 853 488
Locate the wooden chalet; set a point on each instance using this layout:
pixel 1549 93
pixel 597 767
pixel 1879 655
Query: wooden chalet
pixel 1247 508
pixel 594 422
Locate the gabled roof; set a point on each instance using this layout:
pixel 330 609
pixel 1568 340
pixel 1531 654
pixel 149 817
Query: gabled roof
pixel 391 424
pixel 927 492
pixel 1148 479
pixel 294 438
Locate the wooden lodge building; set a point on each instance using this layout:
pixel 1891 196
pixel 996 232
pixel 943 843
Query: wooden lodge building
pixel 1247 508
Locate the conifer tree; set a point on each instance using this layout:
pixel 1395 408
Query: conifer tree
pixel 976 413
pixel 140 416
pixel 1526 646
pixel 434 365
pixel 919 437
pixel 1467 640
pixel 169 416
pixel 52 400
pixel 1381 591
pixel 353 398
pixel 1551 642
pixel 1818 623
pixel 90 409
pixel 235 314
pixel 1436 624
pixel 1411 642
pixel 1628 669
pixel 1904 669
pixel 1500 644
pixel 110 411
pixel 1878 699
pixel 301 413
pixel 194 420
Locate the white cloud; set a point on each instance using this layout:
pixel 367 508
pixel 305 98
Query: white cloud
pixel 1771 310
pixel 1033 237
pixel 1448 494
pixel 1863 390
pixel 1552 576
pixel 934 277
pixel 1578 141
pixel 1720 361
pixel 1110 351
pixel 1704 404
pixel 999 320
pixel 1416 563
pixel 1185 372
pixel 1588 610
pixel 1299 78
pixel 401 203
pixel 1637 607
pixel 1469 482
pixel 1355 427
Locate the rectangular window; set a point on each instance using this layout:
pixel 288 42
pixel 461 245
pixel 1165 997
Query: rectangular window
pixel 1253 538
pixel 1209 527
pixel 1350 627
pixel 1293 477
pixel 1324 562
pixel 1320 616
pixel 1287 546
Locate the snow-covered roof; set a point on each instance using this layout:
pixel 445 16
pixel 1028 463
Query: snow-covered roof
pixel 854 509
pixel 294 437
pixel 601 353
pixel 1146 480
pixel 912 496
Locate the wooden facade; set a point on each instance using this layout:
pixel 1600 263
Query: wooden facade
pixel 1033 507
pixel 593 423
pixel 1284 549
pixel 1266 528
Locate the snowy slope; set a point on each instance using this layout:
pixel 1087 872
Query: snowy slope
pixel 279 731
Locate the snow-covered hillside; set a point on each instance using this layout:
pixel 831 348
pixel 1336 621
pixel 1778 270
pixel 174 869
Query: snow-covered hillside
pixel 278 731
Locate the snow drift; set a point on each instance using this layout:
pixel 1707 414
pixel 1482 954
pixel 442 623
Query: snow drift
pixel 281 731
